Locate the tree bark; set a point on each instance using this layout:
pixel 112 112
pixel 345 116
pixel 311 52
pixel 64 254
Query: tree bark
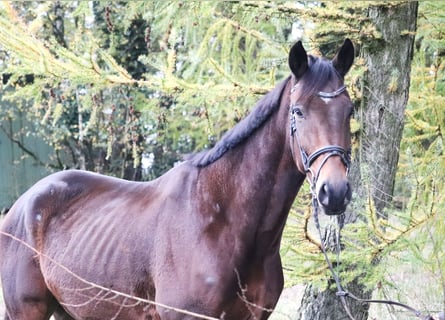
pixel 385 95
pixel 381 114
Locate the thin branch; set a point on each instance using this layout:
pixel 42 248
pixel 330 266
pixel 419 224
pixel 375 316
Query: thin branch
pixel 242 295
pixel 26 150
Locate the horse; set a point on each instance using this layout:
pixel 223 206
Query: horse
pixel 200 241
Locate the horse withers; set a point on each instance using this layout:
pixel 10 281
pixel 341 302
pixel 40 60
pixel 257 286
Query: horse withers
pixel 200 241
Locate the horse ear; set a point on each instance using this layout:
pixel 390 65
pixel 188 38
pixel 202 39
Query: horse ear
pixel 344 58
pixel 298 60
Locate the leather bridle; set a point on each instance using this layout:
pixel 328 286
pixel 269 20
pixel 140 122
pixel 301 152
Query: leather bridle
pixel 328 151
pixel 345 155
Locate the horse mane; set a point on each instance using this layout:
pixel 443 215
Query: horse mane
pixel 243 129
pixel 320 71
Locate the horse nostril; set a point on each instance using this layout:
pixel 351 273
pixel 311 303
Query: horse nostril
pixel 323 195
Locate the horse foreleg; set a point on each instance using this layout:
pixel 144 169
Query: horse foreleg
pixel 25 293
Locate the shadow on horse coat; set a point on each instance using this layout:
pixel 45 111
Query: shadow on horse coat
pixel 204 237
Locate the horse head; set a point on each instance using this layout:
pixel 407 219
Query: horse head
pixel 320 111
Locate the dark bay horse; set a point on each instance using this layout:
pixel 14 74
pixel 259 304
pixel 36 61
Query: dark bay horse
pixel 204 238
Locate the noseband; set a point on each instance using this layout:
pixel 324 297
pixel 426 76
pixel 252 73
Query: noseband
pixel 328 151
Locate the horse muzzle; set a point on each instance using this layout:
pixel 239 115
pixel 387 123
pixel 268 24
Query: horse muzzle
pixel 334 196
pixel 329 183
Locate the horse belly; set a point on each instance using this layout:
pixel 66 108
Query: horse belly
pixel 102 290
pixel 98 272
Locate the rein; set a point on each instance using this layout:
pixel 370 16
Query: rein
pixel 343 294
pixel 345 156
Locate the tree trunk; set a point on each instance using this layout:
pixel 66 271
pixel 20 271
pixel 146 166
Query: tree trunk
pixel 385 95
pixel 326 305
pixel 381 114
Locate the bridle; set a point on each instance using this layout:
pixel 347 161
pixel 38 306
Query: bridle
pixel 328 151
pixel 307 160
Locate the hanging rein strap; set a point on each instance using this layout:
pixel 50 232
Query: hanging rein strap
pixel 343 294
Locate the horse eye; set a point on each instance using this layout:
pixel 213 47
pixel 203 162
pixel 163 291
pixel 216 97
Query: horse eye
pixel 298 112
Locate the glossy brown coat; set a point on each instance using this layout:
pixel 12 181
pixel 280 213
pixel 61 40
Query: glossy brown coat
pixel 203 238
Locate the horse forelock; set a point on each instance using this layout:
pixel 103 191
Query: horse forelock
pixel 320 72
pixel 240 132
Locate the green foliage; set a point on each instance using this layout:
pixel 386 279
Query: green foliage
pixel 422 167
pixel 194 61
pixel 68 88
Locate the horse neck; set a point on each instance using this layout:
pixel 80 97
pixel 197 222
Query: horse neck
pixel 255 183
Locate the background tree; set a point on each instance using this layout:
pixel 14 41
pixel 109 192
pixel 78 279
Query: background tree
pixel 180 66
pixel 419 181
pixel 68 112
